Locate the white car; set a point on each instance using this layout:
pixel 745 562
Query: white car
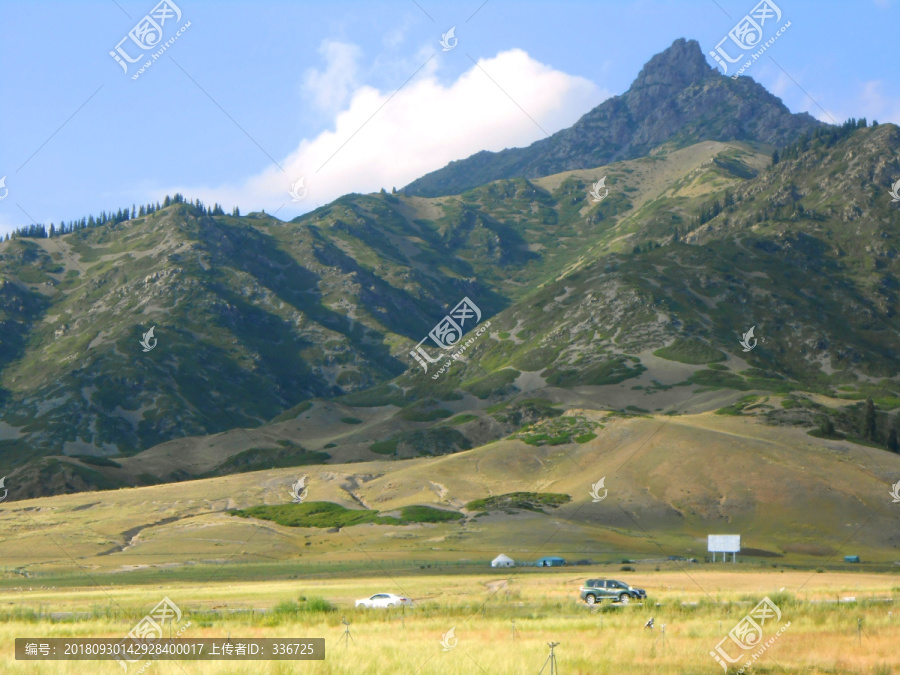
pixel 383 600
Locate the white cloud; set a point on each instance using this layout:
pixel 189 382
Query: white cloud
pixel 422 127
pixel 330 88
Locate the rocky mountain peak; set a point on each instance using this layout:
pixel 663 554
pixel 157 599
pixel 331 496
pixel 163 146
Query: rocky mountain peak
pixel 680 65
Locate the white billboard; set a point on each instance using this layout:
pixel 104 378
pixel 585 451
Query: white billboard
pixel 724 543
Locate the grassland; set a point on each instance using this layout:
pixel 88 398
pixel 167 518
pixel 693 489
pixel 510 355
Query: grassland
pixel 797 499
pixel 698 606
pixel 800 504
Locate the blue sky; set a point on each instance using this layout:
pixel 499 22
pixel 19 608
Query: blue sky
pixel 251 97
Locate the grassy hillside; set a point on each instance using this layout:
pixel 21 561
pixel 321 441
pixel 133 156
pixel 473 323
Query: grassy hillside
pixel 252 316
pixel 671 480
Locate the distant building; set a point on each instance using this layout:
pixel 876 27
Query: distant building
pixel 550 561
pixel 851 558
pixel 503 560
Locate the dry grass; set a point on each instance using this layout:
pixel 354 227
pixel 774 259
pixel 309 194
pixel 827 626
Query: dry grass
pixel 682 477
pixel 822 637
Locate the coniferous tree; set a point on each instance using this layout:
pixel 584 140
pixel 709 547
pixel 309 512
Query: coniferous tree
pixel 869 428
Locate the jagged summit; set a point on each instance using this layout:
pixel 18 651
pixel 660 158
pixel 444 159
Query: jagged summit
pixel 678 66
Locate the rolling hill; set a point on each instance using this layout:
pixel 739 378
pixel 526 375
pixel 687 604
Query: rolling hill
pixel 796 500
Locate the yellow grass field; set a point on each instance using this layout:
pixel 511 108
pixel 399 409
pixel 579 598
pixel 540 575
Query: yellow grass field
pixel 93 564
pixel 699 604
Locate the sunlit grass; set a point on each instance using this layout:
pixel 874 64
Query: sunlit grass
pixel 482 609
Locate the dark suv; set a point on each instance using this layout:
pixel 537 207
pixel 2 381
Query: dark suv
pixel 595 590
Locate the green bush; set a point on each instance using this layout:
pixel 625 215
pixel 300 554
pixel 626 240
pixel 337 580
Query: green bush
pixel 716 379
pixel 328 515
pixel 305 606
pixel 383 394
pixel 293 412
pixel 462 419
pixel 737 408
pixel 386 447
pixel 313 514
pixel 687 350
pixel 450 395
pixel 557 430
pixel 440 440
pixel 495 383
pixel 536 359
pixel 613 371
pixel 529 501
pixel 351 420
pixel 427 514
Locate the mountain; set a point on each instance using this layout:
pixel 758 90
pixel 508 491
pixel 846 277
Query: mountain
pixel 287 344
pixel 633 304
pixel 253 316
pixel 250 318
pixel 677 98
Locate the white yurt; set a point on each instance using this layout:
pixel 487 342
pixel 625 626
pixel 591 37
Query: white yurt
pixel 503 561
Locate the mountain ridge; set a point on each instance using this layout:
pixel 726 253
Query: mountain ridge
pixel 676 97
